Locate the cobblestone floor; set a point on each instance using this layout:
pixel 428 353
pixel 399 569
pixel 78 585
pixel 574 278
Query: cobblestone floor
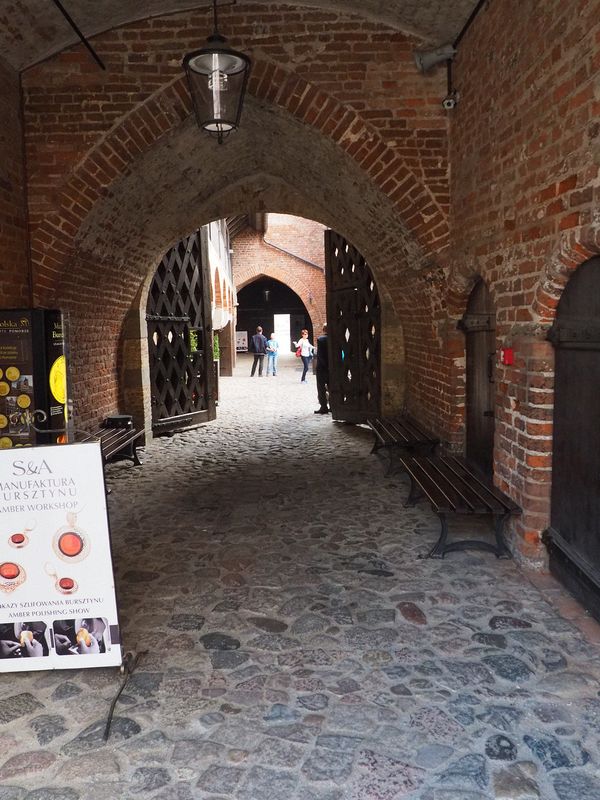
pixel 297 647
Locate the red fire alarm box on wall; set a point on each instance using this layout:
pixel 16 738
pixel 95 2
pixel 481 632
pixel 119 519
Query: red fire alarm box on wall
pixel 507 356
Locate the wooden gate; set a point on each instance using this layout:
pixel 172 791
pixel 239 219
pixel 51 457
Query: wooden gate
pixel 479 325
pixel 354 332
pixel 180 339
pixel 574 533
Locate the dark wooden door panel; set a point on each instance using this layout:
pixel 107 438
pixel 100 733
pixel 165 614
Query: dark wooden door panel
pixel 354 332
pixel 179 339
pixel 575 505
pixel 478 324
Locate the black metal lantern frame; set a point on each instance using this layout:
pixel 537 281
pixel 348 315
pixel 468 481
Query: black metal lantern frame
pixel 217 77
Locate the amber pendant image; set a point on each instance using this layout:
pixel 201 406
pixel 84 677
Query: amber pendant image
pixel 11 576
pixel 70 543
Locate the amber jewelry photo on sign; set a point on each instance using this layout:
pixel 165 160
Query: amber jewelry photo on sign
pixel 11 576
pixel 20 538
pixel 64 585
pixel 70 543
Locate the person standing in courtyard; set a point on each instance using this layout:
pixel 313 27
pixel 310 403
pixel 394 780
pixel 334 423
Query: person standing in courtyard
pixel 322 372
pixel 272 351
pixel 305 349
pixel 258 345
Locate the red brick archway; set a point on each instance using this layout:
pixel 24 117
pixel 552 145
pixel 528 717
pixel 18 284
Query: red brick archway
pixel 54 239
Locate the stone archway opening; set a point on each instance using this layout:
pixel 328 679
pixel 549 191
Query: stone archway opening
pixel 261 300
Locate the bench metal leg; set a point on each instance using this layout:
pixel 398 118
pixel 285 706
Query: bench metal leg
pixel 502 550
pixel 136 458
pixel 415 494
pixel 376 445
pixel 439 549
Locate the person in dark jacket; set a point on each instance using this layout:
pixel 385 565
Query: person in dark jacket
pixel 258 345
pixel 322 372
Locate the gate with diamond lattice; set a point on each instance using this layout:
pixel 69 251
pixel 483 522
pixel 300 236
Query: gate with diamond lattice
pixel 180 349
pixel 353 332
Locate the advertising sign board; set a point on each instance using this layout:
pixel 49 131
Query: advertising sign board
pixel 58 607
pixel 241 341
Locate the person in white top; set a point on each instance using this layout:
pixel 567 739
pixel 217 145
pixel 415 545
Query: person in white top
pixel 306 350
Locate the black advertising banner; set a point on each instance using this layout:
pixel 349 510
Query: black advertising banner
pixel 33 377
pixel 16 379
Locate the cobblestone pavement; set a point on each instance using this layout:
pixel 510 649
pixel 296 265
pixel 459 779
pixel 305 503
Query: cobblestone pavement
pixel 297 647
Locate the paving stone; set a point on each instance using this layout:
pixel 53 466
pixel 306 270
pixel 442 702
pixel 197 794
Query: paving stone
pixel 470 770
pixel 269 624
pixel 490 639
pixel 314 702
pixel 147 779
pixel 12 793
pixel 512 783
pixel 92 737
pixel 53 793
pixel 509 667
pixel 187 622
pixel 433 755
pixel 18 705
pixel 218 779
pixel 500 748
pixel 228 659
pixel 25 764
pixel 502 623
pixel 281 713
pixel 66 690
pixel 555 754
pixel 439 726
pixel 175 791
pixel 324 764
pixel 48 726
pixel 412 613
pixel 268 784
pixel 383 778
pixel 576 786
pixel 219 641
pixel 195 751
pixel 505 718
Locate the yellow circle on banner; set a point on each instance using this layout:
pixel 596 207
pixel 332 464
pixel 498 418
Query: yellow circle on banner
pixel 23 401
pixel 1 373
pixel 4 388
pixel 58 380
pixel 3 421
pixel 13 374
pixel 5 443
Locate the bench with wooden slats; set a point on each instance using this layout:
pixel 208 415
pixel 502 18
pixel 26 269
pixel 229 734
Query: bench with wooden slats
pixel 401 434
pixel 118 443
pixel 453 487
pixel 118 439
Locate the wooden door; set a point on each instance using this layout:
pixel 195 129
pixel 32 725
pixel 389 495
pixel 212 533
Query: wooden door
pixel 354 332
pixel 180 339
pixel 574 532
pixel 479 324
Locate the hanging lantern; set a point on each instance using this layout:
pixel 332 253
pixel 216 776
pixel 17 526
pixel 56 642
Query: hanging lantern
pixel 217 79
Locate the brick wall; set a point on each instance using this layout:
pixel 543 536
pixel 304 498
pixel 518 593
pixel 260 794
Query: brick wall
pixel 302 237
pixel 525 151
pixel 14 290
pixel 253 258
pixel 101 149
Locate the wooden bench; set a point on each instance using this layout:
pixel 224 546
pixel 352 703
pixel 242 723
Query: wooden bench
pixel 118 439
pixel 453 487
pixel 401 434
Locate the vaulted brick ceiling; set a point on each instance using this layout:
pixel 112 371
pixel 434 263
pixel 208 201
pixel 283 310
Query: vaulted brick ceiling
pixel 31 30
